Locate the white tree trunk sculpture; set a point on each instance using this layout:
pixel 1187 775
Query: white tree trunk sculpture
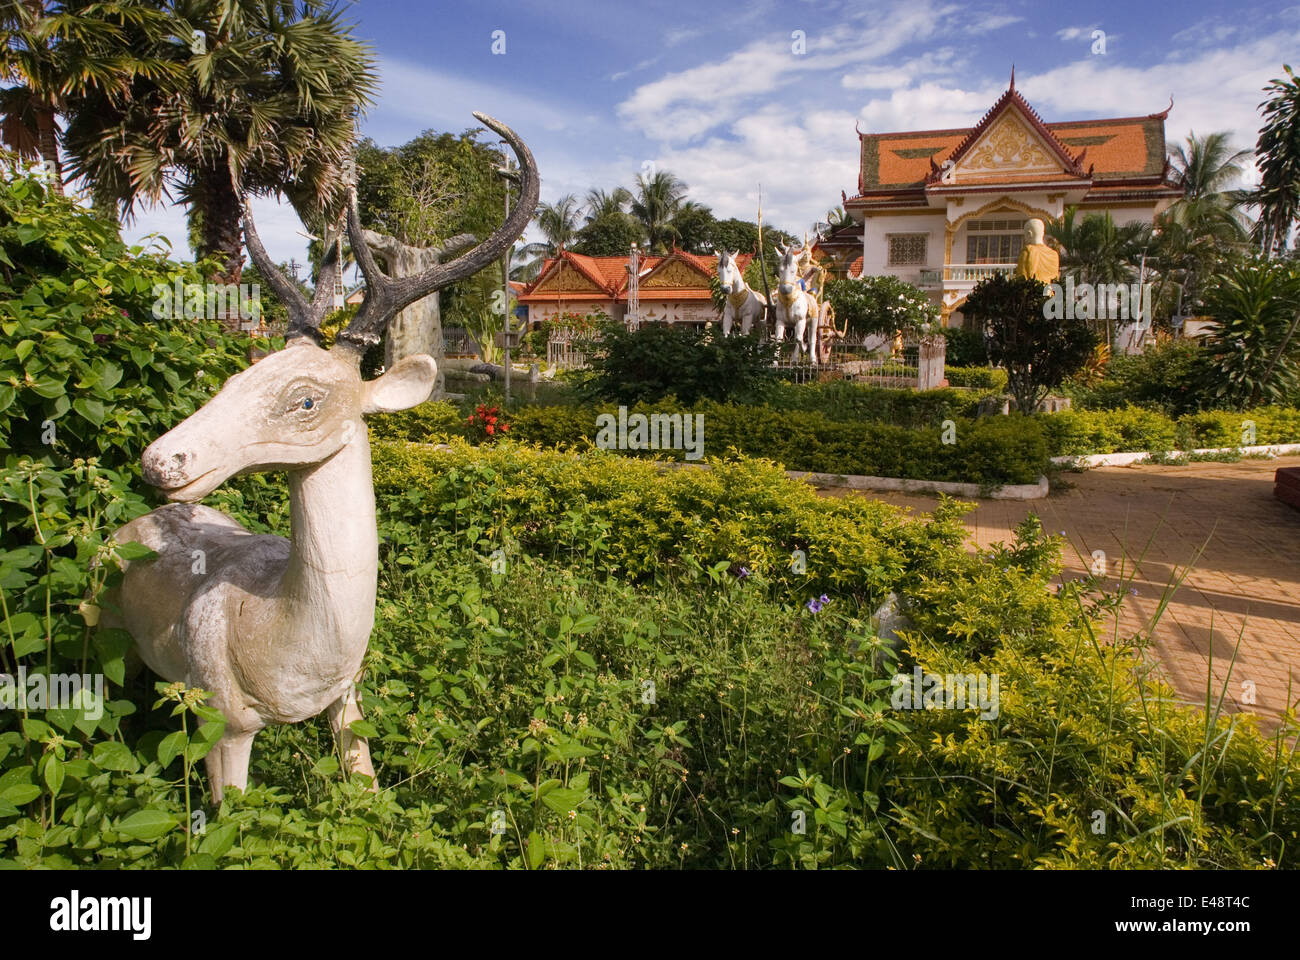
pixel 416 330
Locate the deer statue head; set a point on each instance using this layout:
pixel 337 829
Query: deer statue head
pixel 276 629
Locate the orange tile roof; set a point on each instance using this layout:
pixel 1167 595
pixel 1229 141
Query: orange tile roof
pixel 610 276
pixel 894 165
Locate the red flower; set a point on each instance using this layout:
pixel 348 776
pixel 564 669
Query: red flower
pixel 505 427
pixel 491 429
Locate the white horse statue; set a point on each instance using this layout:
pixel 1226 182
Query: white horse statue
pixel 794 305
pixel 743 302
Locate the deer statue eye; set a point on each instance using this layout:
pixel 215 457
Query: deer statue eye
pixel 308 403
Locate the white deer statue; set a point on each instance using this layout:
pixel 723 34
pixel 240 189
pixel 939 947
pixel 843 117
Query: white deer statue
pixel 743 302
pixel 277 629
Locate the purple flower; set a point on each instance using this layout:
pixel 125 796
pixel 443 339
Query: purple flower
pixel 101 338
pixel 744 572
pixel 816 605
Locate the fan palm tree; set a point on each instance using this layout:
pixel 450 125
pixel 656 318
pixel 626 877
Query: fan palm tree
pixel 30 70
pixel 264 99
pixel 658 199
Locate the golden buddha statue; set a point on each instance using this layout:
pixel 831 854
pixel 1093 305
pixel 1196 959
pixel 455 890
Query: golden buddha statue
pixel 1037 260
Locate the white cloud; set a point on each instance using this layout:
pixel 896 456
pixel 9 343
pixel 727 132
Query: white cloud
pixel 1075 33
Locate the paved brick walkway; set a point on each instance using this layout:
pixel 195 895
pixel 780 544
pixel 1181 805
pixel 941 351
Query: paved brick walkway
pixel 1245 583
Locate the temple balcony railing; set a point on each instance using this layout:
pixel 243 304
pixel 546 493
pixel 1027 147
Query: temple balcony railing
pixel 960 273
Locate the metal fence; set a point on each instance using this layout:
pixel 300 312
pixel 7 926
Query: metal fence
pixel 568 351
pixel 919 365
pixel 458 343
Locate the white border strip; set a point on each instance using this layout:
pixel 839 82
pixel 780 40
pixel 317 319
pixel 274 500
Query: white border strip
pixel 1011 491
pixel 1127 459
pixel 853 481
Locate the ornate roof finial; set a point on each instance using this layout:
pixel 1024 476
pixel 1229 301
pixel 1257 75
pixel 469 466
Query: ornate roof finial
pixel 1013 78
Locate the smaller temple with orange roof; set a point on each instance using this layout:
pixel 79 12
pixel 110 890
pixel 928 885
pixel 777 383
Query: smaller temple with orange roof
pixel 674 288
pixel 945 208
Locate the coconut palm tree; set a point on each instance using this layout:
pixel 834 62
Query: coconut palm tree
pixel 657 200
pixel 558 222
pixel 1278 150
pixel 607 203
pixel 835 220
pixel 264 99
pixel 1096 249
pixel 1208 166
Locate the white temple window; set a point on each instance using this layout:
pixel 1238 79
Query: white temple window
pixel 994 241
pixel 907 249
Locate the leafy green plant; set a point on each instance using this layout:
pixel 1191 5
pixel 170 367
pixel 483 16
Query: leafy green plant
pixel 880 304
pixel 981 378
pixel 1254 351
pixel 691 363
pixel 1037 352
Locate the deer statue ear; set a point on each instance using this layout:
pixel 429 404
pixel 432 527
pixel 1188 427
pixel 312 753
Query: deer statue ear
pixel 408 384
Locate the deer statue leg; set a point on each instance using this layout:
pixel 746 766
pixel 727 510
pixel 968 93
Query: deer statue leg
pixel 355 750
pixel 227 762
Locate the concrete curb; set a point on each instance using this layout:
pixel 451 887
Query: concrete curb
pixel 1127 459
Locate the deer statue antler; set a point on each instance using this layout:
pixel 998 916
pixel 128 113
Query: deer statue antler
pixel 276 629
pixel 304 317
pixel 386 295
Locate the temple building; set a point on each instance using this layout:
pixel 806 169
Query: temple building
pixel 944 208
pixel 669 289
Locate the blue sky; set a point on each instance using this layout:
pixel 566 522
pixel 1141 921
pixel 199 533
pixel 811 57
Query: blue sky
pixel 724 96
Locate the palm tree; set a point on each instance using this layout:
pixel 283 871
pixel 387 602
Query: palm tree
pixel 607 203
pixel 658 199
pixel 264 99
pixel 1097 249
pixel 836 219
pixel 29 67
pixel 1278 149
pixel 558 222
pixel 1208 166
pixel 1192 237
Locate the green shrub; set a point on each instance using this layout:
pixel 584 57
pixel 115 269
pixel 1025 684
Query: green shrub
pixel 1135 430
pixel 965 348
pixel 1170 377
pixel 845 400
pixel 676 721
pixel 1254 355
pixel 433 422
pixel 990 451
pixel 980 378
pixel 86 370
pixel 824 428
pixel 667 359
